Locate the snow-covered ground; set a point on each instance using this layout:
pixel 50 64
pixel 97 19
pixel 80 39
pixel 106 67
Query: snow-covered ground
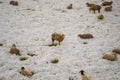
pixel 30 26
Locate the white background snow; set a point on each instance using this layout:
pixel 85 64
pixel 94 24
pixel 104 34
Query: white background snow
pixel 31 31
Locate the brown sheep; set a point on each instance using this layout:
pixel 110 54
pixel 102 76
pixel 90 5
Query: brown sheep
pixel 14 2
pixel 14 50
pixel 94 8
pixel 111 57
pixel 89 4
pixel 83 76
pixel 108 8
pixel 85 36
pixel 57 37
pixel 25 72
pixel 100 17
pixel 116 51
pixel 70 6
pixel 106 3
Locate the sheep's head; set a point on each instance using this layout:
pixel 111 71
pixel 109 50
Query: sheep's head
pixel 79 35
pixel 22 68
pixel 111 1
pixel 87 4
pixel 82 72
pixel 13 45
pixel 71 4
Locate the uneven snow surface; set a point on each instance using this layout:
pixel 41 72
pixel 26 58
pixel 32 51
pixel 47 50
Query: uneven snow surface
pixel 30 26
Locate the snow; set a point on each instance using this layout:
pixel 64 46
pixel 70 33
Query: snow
pixel 31 31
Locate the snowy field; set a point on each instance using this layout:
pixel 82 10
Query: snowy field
pixel 30 26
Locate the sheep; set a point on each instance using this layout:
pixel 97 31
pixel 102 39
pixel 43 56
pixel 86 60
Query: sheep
pixel 25 72
pixel 108 8
pixel 83 76
pixel 111 57
pixel 100 17
pixel 85 36
pixel 116 51
pixel 89 4
pixel 14 2
pixel 106 3
pixel 94 8
pixel 70 6
pixel 14 50
pixel 57 37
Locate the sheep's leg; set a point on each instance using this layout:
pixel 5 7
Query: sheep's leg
pixel 10 50
pixel 94 11
pixel 89 10
pixel 52 41
pixel 18 53
pixel 99 11
pixel 59 43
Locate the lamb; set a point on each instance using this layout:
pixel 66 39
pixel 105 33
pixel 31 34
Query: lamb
pixel 25 72
pixel 14 2
pixel 111 57
pixel 70 6
pixel 85 36
pixel 14 50
pixel 100 17
pixel 94 8
pixel 106 3
pixel 116 51
pixel 57 37
pixel 89 4
pixel 83 76
pixel 108 8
